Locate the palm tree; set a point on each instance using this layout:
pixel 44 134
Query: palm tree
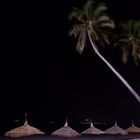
pixel 93 22
pixel 93 18
pixel 128 39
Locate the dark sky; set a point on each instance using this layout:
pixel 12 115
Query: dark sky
pixel 41 73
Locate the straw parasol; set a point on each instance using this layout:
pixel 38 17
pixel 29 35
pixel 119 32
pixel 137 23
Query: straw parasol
pixel 114 130
pixel 93 130
pixel 133 129
pixel 25 130
pixel 66 131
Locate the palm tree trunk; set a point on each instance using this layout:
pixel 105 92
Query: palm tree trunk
pixel 113 69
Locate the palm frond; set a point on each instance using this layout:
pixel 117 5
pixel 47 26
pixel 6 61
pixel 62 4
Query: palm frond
pixel 136 29
pixel 102 18
pixel 106 39
pixel 135 53
pixel 130 24
pixel 103 37
pixel 110 24
pixel 124 40
pixel 75 30
pixel 125 55
pixel 100 37
pixel 125 28
pixel 123 43
pixel 101 7
pixel 134 26
pixel 88 9
pixel 81 42
pixel 75 14
pixel 124 35
pixel 137 33
pixel 137 41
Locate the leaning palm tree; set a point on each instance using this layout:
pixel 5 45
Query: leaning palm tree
pixel 94 19
pixel 128 39
pixel 93 22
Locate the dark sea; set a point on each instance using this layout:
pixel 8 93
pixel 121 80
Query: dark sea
pixel 104 137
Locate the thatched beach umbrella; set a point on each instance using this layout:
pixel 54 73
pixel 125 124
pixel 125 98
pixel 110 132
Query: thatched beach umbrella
pixel 66 131
pixel 133 129
pixel 114 130
pixel 25 130
pixel 93 131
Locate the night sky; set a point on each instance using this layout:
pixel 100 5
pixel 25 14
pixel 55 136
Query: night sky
pixel 41 73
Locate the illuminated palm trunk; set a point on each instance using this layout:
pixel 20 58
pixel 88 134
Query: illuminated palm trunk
pixel 113 69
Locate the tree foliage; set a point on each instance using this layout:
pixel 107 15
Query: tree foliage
pixel 93 17
pixel 128 40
